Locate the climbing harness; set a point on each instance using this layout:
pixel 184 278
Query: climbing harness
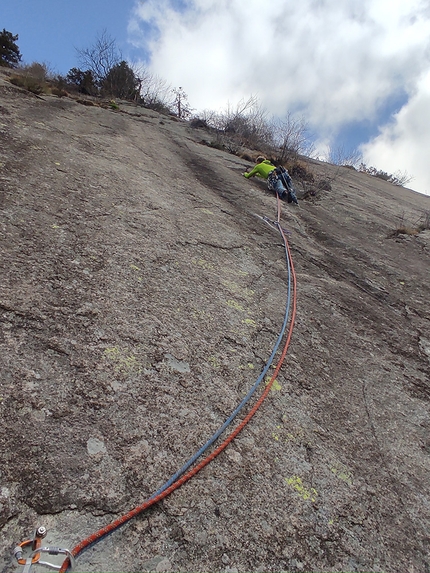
pixel 185 474
pixel 33 547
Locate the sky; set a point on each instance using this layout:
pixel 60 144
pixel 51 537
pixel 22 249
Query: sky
pixel 358 71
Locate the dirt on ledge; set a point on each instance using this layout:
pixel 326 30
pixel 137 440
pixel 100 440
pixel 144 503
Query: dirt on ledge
pixel 140 299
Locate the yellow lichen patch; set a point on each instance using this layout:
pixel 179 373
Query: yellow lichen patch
pixel 275 434
pixel 201 314
pixel 112 352
pixel 233 304
pixel 342 473
pixel 249 322
pixel 206 211
pixel 295 433
pixel 125 363
pixel 232 286
pixel 134 267
pixel 238 289
pixel 213 361
pixel 297 484
pixel 275 386
pixel 204 264
pixel 250 365
pixel 55 226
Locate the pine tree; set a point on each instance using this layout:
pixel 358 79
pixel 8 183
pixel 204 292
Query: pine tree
pixel 9 51
pixel 82 80
pixel 120 82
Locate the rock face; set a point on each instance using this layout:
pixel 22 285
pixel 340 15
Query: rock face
pixel 140 299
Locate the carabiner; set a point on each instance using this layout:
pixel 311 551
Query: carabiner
pixel 34 556
pixel 35 543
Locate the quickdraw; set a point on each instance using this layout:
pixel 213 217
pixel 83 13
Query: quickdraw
pixel 272 223
pixel 35 542
pixel 36 549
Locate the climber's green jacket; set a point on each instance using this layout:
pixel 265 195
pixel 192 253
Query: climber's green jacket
pixel 261 170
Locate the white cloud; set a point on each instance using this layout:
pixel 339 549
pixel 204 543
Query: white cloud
pixel 336 62
pixel 406 140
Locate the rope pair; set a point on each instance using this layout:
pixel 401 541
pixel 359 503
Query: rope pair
pixel 183 475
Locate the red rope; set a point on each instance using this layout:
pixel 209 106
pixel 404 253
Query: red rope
pixel 203 463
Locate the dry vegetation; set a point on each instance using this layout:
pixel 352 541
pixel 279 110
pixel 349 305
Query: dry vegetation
pixel 245 130
pixel 405 228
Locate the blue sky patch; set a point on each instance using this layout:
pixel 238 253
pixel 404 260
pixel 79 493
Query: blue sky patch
pixel 354 134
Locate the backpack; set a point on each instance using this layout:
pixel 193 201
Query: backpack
pixel 284 176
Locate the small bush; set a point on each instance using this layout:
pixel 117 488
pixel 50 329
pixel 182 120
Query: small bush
pixel 39 72
pixel 324 185
pixel 17 81
pixel 402 231
pixel 424 222
pixel 59 92
pixel 246 157
pixel 35 78
pixel 215 144
pixel 300 171
pixel 86 102
pixel 399 178
pixel 28 83
pixel 198 123
pixel 157 105
pixel 404 228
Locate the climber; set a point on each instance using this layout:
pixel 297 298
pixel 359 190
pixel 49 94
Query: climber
pixel 278 179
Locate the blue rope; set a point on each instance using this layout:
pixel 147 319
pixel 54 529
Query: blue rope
pixel 250 393
pixel 243 402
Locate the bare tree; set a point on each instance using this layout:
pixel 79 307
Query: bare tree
pixel 154 91
pixel 347 157
pixel 209 117
pixel 400 178
pixel 293 137
pixel 180 103
pixel 247 123
pixel 101 57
